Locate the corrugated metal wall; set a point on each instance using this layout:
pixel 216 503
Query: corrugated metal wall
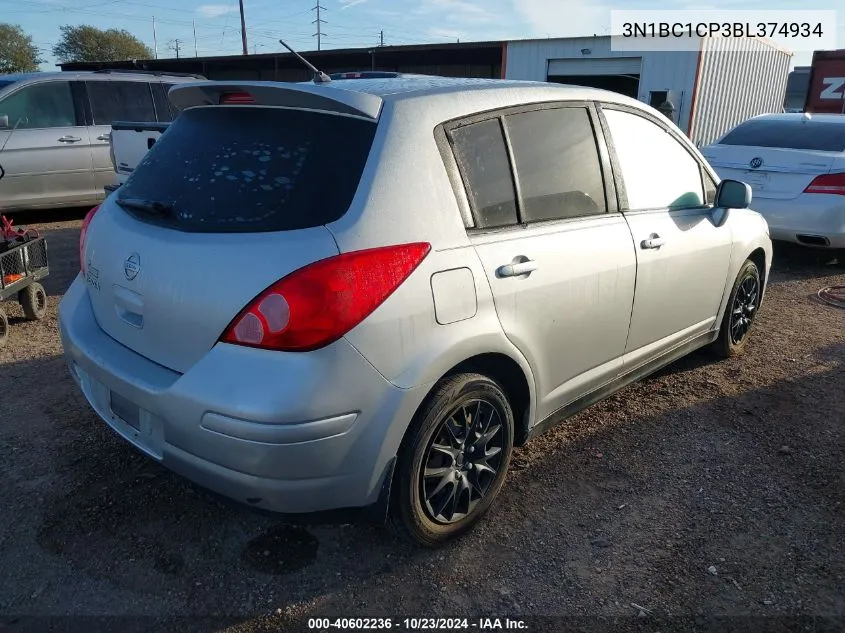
pixel 735 85
pixel 529 60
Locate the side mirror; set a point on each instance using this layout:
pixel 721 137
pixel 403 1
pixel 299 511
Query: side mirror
pixel 732 194
pixel 4 121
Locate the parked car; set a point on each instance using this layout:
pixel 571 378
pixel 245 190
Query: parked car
pixel 795 164
pixel 306 325
pixel 54 131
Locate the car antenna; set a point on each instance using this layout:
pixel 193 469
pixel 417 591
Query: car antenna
pixel 319 76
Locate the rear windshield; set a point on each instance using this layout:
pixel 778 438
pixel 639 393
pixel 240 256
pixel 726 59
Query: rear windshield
pixel 5 82
pixel 249 169
pixel 811 135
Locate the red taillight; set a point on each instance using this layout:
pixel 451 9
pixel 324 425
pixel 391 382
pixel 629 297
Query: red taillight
pixel 829 183
pixel 82 234
pixel 316 305
pixel 236 98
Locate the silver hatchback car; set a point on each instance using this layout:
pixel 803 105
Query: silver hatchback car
pixel 364 294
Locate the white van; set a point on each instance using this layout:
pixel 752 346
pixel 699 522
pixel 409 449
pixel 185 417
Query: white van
pixel 54 131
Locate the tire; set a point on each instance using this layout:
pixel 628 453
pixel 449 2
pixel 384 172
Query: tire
pixel 415 502
pixel 729 344
pixel 4 328
pixel 33 300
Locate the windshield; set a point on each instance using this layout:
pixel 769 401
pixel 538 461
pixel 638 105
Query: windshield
pixel 249 169
pixel 4 83
pixel 822 136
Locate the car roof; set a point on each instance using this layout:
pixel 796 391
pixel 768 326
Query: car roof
pixel 799 116
pixel 367 96
pixel 395 88
pixel 88 74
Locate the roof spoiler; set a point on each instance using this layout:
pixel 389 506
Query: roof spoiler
pixel 271 93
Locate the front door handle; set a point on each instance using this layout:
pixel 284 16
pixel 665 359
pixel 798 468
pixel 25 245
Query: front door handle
pixel 517 270
pixel 69 139
pixel 654 241
pixel 104 137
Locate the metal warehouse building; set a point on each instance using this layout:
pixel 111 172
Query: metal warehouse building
pixel 711 89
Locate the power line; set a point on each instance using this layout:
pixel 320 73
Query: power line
pixel 319 22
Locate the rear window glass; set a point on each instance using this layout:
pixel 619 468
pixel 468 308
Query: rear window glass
pixel 249 169
pixel 822 136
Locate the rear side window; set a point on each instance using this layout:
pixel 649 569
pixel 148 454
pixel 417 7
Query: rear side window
pixel 822 136
pixel 557 164
pixel 229 169
pixel 165 111
pixel 120 101
pixel 483 159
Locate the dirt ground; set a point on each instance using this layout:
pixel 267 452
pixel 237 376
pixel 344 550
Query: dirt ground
pixel 712 489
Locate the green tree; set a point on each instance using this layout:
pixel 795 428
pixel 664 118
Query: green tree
pixel 17 52
pixel 90 44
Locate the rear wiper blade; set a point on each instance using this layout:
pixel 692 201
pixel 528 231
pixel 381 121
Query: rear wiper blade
pixel 146 206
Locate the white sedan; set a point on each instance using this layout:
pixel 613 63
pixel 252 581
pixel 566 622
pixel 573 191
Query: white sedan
pixel 795 164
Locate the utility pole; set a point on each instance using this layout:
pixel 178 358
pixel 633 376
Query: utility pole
pixel 194 24
pixel 155 39
pixel 176 47
pixel 319 22
pixel 243 28
pixel 381 38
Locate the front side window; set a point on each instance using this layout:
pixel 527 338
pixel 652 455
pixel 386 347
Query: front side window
pixel 120 101
pixel 483 160
pixel 557 164
pixel 657 170
pixel 45 105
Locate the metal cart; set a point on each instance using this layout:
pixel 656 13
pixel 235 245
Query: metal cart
pixel 23 264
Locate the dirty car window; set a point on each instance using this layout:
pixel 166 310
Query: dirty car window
pixel 251 169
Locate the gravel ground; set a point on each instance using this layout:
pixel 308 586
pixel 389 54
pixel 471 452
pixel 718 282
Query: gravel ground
pixel 712 489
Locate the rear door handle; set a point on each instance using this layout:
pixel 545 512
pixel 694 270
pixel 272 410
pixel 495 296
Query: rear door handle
pixel 103 137
pixel 654 241
pixel 69 139
pixel 517 270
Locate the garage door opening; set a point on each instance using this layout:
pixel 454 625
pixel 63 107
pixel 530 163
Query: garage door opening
pixel 619 74
pixel 628 85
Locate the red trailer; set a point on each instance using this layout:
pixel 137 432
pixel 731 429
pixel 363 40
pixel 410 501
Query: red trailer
pixel 827 83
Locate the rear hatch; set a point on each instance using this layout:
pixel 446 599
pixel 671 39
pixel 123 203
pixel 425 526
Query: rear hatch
pixel 229 200
pixel 778 157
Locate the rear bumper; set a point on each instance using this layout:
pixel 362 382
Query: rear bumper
pixel 810 220
pixel 285 433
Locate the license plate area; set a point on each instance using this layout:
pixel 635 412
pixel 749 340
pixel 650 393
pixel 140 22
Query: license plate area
pixel 757 180
pixel 125 410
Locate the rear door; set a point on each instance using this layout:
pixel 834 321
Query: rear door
pixel 112 101
pixel 777 156
pixel 682 254
pixel 45 152
pixel 229 201
pixel 559 260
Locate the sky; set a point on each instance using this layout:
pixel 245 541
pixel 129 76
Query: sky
pixel 348 23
